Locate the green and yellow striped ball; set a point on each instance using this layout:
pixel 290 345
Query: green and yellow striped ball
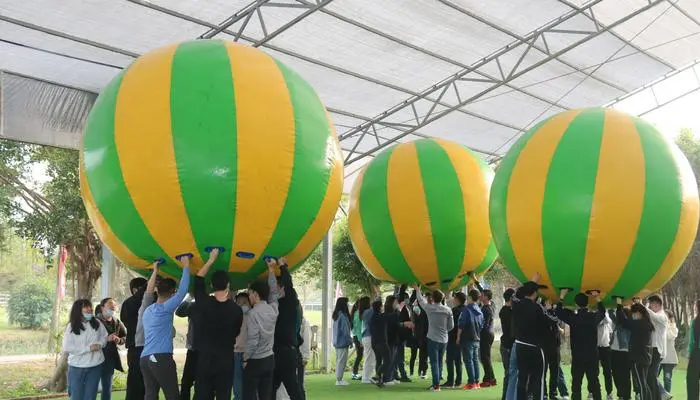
pixel 210 143
pixel 419 214
pixel 595 199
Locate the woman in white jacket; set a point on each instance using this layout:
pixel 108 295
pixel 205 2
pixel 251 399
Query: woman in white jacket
pixel 671 360
pixel 83 340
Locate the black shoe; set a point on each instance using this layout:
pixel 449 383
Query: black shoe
pixel 447 385
pixel 405 379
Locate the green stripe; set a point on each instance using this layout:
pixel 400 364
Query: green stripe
pixel 104 176
pixel 203 114
pixel 376 220
pixel 444 200
pixel 660 215
pixel 311 172
pixel 498 201
pixel 568 197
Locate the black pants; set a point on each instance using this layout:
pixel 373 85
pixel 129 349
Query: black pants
pixel 505 357
pixel 384 363
pixel 214 376
pixel 620 365
pixel 300 374
pixel 530 369
pixel 552 359
pixel 159 372
pixel 605 364
pixel 359 351
pixel 135 389
pixel 421 352
pixel 400 362
pixel 589 369
pixel 189 374
pixel 640 376
pixel 257 377
pixel 454 364
pixel 653 374
pixel 692 378
pixel 485 356
pixel 286 365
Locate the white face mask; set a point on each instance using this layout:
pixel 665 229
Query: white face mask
pixel 107 313
pixel 416 309
pixel 245 309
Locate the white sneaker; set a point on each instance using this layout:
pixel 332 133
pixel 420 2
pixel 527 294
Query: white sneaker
pixel 367 382
pixel 666 396
pixel 590 396
pixel 391 383
pixel 565 397
pixel 341 383
pixel 610 397
pixel 396 381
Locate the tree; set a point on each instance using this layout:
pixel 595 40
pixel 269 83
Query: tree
pixel 348 269
pixel 49 213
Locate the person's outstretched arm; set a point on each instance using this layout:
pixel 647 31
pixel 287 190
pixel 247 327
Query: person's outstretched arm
pixel 200 290
pixel 272 282
pixel 476 281
pixel 172 303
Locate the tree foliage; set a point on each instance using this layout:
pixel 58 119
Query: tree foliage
pixel 30 305
pixel 348 269
pixel 50 213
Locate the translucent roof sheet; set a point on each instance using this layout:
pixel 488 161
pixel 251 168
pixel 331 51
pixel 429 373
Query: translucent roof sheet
pixel 479 72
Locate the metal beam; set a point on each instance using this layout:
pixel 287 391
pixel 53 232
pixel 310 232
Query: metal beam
pixel 445 84
pixel 327 292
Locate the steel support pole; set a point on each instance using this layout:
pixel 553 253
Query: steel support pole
pixel 327 301
pixel 107 276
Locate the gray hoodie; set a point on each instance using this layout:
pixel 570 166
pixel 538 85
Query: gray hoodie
pixel 260 325
pixel 440 320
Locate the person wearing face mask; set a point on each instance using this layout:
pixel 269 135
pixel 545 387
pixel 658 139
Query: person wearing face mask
pixel 116 337
pixel 341 338
pixel 420 339
pixel 641 328
pixel 189 371
pixel 360 304
pixel 129 315
pixel 83 340
pixel 244 302
pixel 404 336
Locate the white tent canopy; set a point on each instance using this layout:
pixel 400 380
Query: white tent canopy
pixel 479 72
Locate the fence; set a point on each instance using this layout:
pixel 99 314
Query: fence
pixel 4 298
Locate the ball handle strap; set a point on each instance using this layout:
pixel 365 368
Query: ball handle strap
pixel 209 249
pixel 245 255
pixel 180 256
pixel 569 289
pixel 160 261
pixel 590 292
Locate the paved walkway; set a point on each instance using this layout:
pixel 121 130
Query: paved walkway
pixel 44 357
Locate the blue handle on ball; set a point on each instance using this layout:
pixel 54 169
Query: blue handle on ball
pixel 267 258
pixel 190 255
pixel 209 249
pixel 160 261
pixel 244 254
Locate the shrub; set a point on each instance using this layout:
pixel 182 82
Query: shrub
pixel 30 305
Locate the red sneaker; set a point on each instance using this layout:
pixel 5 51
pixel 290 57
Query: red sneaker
pixel 470 386
pixel 485 384
pixel 477 386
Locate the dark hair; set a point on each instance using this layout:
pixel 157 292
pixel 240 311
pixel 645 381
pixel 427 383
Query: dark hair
pixel 403 296
pixel 261 288
pixel 461 298
pixel 581 300
pixel 219 280
pixel 646 319
pixel 363 304
pixel 341 306
pixel 438 296
pixel 488 293
pixel 98 309
pixel 377 306
pixel 389 303
pixel 508 294
pixel 242 295
pixel 474 294
pixel 166 287
pixel 137 283
pixel 76 316
pixel 655 299
pixel 355 306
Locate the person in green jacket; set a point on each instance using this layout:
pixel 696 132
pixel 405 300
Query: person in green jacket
pixel 357 337
pixel 693 374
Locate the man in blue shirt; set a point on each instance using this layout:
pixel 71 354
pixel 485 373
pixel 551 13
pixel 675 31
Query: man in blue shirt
pixel 157 364
pixel 471 321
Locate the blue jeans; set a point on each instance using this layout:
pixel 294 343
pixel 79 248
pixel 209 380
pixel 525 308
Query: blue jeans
pixel 238 376
pixel 561 384
pixel 106 375
pixel 470 355
pixel 667 370
pixel 83 382
pixel 512 391
pixel 436 353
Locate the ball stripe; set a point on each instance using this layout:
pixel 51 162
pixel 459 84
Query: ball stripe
pixel 259 86
pixel 150 76
pixel 211 98
pixel 524 225
pixel 687 226
pixel 357 233
pixel 113 200
pixel 410 216
pixel 660 216
pixel 615 214
pixel 445 208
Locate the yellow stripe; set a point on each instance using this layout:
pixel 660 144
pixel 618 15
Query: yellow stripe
pixel 102 228
pixel 615 212
pixel 408 210
pixel 329 207
pixel 475 187
pixel 687 226
pixel 265 150
pixel 145 146
pixel 357 234
pixel 526 196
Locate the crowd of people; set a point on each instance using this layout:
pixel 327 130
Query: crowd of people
pixel 251 345
pixel 633 345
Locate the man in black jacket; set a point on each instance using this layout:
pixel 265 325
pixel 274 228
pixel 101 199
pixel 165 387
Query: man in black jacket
pixel 454 353
pixel 584 342
pixel 506 317
pixel 487 338
pixel 404 336
pixel 286 336
pixel 129 316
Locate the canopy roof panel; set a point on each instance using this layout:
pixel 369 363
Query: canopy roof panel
pixel 479 72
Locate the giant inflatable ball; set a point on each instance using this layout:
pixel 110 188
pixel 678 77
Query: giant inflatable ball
pixel 595 199
pixel 419 214
pixel 210 143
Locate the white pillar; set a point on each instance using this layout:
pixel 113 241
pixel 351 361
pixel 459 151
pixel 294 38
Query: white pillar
pixel 107 276
pixel 327 300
